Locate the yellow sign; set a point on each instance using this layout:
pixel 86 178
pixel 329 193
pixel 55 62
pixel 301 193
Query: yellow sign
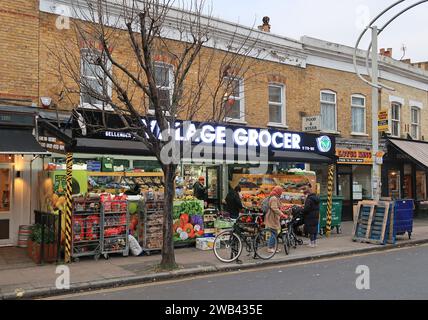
pixel 346 156
pixel 383 121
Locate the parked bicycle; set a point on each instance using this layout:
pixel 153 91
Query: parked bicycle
pixel 248 231
pixel 288 227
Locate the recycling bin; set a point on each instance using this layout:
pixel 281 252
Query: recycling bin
pixel 336 214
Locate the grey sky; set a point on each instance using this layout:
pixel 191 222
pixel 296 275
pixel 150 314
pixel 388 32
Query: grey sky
pixel 333 20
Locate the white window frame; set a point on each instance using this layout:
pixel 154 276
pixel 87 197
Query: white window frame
pixel 400 106
pixel 335 110
pixel 282 104
pixel 241 99
pixel 86 105
pixel 418 124
pixel 359 96
pixel 171 83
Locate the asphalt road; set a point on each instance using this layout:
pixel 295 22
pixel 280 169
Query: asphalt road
pixel 395 274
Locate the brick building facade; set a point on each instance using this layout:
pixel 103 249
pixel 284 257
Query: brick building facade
pixel 312 74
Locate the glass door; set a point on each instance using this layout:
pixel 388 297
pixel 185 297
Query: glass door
pixel 5 203
pixel 344 189
pixel 213 186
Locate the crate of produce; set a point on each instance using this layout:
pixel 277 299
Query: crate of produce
pixel 205 244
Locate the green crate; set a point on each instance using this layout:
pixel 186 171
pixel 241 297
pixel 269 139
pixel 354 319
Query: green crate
pixel 336 214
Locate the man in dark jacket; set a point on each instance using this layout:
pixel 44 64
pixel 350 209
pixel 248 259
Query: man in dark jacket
pixel 233 202
pixel 199 189
pixel 311 215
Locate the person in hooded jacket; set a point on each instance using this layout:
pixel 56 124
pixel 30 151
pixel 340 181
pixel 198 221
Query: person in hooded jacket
pixel 273 216
pixel 311 215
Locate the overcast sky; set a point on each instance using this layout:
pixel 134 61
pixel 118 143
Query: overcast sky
pixel 333 20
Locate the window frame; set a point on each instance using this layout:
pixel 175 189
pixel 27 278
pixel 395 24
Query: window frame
pixel 282 104
pixel 335 109
pixel 241 99
pixel 392 121
pixel 364 107
pixel 417 124
pixel 171 83
pixel 108 83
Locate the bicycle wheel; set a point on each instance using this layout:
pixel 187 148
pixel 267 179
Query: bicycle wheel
pixel 293 240
pixel 286 243
pixel 227 246
pixel 261 244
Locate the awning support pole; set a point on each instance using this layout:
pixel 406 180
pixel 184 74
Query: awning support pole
pixel 329 198
pixel 68 212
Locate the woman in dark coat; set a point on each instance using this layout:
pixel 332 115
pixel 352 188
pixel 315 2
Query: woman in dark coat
pixel 311 215
pixel 233 202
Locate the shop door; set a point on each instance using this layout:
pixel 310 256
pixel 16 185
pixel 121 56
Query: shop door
pixel 5 204
pixel 344 189
pixel 213 186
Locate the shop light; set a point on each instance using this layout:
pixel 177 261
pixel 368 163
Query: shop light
pixel 10 157
pixel 22 156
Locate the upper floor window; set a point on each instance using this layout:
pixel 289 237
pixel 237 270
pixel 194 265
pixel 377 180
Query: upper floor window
pixel 164 79
pixel 415 124
pixel 94 82
pixel 234 102
pixel 358 110
pixel 328 110
pixel 395 119
pixel 277 104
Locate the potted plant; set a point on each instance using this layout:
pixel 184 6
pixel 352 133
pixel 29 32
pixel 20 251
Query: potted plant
pixel 35 241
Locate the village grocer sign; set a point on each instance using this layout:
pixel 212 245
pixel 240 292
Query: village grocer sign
pixel 238 136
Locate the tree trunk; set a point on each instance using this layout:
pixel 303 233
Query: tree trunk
pixel 168 256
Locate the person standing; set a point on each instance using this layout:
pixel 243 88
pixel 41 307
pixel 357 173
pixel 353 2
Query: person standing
pixel 311 215
pixel 273 216
pixel 199 190
pixel 233 202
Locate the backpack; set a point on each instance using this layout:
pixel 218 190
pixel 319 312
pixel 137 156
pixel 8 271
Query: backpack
pixel 265 205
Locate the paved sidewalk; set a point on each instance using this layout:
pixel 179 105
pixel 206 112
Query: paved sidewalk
pixel 35 281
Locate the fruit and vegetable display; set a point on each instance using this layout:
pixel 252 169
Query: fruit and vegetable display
pixel 188 221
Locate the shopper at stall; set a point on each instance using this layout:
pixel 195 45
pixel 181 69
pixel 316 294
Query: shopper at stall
pixel 233 202
pixel 311 214
pixel 274 215
pixel 199 190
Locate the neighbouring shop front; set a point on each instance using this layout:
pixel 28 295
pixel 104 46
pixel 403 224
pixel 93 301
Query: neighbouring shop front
pixel 108 164
pixel 20 158
pixel 404 172
pixel 353 176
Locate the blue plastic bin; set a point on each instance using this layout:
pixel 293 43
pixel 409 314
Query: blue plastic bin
pixel 403 217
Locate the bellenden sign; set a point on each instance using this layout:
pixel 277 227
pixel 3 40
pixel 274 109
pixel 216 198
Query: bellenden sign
pixel 240 136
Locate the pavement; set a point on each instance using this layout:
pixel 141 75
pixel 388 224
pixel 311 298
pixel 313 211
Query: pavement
pixel 389 275
pixel 36 281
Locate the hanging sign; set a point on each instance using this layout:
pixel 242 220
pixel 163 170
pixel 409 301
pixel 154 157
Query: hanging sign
pixel 346 156
pixel 383 121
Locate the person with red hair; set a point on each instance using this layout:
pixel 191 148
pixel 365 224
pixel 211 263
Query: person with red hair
pixel 273 216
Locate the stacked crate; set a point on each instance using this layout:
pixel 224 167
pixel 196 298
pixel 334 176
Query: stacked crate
pixel 152 225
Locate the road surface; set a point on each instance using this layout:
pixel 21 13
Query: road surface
pixel 394 274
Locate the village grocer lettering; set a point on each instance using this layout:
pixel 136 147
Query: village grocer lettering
pixel 209 134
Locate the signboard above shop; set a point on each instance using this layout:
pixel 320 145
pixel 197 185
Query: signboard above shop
pixel 383 125
pixel 223 134
pixel 347 156
pixel 311 124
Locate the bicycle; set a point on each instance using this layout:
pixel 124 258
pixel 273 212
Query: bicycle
pixel 287 234
pixel 248 231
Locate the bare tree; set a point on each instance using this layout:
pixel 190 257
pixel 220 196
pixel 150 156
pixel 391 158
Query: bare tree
pixel 137 58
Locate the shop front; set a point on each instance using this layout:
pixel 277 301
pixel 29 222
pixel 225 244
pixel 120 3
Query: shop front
pixel 404 172
pixel 353 176
pixel 20 158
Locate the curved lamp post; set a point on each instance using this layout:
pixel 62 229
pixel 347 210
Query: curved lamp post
pixel 374 81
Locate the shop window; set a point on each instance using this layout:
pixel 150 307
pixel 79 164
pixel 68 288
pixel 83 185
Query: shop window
pixel 394 184
pixel 147 165
pixel 234 103
pixel 5 187
pixel 164 78
pixel 421 186
pixel 361 184
pixel 95 86
pixel 277 104
pixel 358 108
pixel 415 123
pixel 328 110
pixel 395 119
